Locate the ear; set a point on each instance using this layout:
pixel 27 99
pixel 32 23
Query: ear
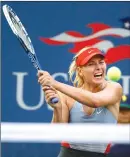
pixel 79 69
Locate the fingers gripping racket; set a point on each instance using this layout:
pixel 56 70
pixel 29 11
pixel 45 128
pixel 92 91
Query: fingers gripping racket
pixel 20 32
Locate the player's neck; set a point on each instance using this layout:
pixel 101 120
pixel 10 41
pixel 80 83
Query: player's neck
pixel 95 88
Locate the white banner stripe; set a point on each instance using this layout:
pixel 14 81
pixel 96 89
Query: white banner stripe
pixel 64 37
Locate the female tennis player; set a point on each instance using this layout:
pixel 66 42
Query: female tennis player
pixel 92 99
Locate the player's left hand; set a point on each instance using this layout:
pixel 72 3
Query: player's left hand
pixel 45 79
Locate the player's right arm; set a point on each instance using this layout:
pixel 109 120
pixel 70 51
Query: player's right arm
pixel 60 109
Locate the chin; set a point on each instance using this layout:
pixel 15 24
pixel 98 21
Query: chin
pixel 98 81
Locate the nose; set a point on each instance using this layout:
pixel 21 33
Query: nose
pixel 98 66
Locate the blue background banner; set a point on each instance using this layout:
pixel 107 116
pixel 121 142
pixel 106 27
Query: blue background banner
pixel 22 97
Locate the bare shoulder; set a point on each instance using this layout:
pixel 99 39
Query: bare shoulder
pixel 116 91
pixel 115 86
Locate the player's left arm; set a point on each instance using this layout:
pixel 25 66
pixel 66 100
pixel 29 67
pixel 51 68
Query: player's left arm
pixel 110 95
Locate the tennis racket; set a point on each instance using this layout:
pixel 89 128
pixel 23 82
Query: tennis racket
pixel 23 37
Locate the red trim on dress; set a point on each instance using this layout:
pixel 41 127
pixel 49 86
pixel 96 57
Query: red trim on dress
pixel 108 148
pixel 65 144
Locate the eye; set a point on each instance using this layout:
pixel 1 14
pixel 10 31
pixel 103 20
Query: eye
pixel 101 62
pixel 91 64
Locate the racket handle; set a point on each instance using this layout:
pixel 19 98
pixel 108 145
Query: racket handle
pixel 54 100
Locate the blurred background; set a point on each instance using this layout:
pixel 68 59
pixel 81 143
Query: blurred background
pixel 22 97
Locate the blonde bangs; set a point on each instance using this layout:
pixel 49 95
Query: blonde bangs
pixel 73 72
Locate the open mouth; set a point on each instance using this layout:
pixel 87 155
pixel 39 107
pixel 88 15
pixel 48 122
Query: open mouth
pixel 98 75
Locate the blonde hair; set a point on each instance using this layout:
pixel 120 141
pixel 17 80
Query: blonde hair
pixel 73 71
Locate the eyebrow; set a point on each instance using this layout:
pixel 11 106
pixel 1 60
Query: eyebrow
pixel 92 61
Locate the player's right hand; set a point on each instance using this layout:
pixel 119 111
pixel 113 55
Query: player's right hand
pixel 50 93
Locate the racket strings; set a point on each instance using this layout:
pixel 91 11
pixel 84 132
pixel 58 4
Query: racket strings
pixel 21 32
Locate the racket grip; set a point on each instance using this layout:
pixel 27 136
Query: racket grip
pixel 54 100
